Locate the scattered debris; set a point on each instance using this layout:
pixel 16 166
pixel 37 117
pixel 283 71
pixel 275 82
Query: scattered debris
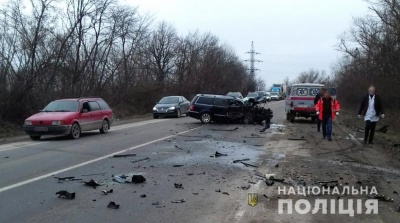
pixel 136 179
pixel 226 193
pixel 93 174
pixel 123 155
pixel 265 128
pixel 92 183
pixel 245 187
pixel 396 145
pixel 179 186
pixel 302 138
pixel 113 205
pixel 218 191
pixel 195 193
pixel 264 195
pixel 248 164
pixel 143 196
pixel 238 161
pixel 135 161
pixel 155 203
pixel 269 182
pixel 277 165
pixel 276 179
pixel 66 179
pixel 179 201
pixel 6 157
pixel 65 194
pixel 178 165
pixel 383 129
pixel 193 140
pixel 395 192
pixel 227 130
pixel 326 182
pixel 119 179
pixel 106 192
pixel 218 154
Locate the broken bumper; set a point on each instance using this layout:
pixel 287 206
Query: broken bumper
pixel 47 130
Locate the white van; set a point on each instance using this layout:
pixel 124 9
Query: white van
pixel 300 100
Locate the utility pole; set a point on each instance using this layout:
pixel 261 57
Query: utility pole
pixel 253 60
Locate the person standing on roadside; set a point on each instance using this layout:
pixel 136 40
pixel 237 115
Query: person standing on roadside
pixel 326 108
pixel 316 99
pixel 371 109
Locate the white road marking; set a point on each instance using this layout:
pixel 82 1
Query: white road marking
pixel 89 162
pixel 19 145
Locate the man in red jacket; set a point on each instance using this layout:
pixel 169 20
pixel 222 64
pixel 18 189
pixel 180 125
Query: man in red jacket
pixel 327 107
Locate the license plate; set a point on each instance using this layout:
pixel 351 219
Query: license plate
pixel 302 106
pixel 41 129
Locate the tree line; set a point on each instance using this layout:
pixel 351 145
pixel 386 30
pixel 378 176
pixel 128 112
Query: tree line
pixel 54 49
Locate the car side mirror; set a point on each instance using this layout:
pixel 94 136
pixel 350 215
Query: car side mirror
pixel 84 111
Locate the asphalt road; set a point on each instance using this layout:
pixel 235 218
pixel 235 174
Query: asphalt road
pixel 214 188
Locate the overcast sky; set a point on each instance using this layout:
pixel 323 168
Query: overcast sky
pixel 291 35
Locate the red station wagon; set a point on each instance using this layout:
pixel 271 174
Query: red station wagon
pixel 70 117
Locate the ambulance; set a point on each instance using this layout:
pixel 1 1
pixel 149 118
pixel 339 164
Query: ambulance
pixel 300 100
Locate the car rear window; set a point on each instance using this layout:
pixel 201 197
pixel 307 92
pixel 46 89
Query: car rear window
pixel 302 91
pixel 103 105
pixel 205 101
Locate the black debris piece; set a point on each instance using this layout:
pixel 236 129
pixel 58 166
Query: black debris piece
pixel 6 157
pixel 143 196
pixel 179 201
pixel 327 182
pixel 277 165
pixel 193 140
pixel 218 154
pixel 398 207
pixel 66 179
pixel 264 195
pixel 276 179
pixel 227 130
pixel 238 161
pixel 226 193
pixel 135 161
pixel 137 179
pixel 93 174
pixel 178 165
pixel 123 155
pixel 179 186
pixel 265 128
pixel 383 129
pixel 105 192
pixel 359 182
pixel 65 194
pixel 248 164
pixel 269 182
pixel 302 138
pixel 113 205
pixel 155 203
pixel 92 183
pixel 218 191
pixel 245 187
pixel 195 193
pixel 395 192
pixel 396 145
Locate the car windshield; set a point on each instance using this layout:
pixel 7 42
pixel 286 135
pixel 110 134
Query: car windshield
pixel 62 106
pixel 252 95
pixel 169 100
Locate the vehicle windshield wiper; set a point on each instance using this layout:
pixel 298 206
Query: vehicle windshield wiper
pixel 45 111
pixel 61 111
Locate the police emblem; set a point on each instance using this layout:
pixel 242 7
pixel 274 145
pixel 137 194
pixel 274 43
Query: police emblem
pixel 252 199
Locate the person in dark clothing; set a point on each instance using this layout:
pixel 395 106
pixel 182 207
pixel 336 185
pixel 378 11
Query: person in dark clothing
pixel 326 108
pixel 316 99
pixel 371 109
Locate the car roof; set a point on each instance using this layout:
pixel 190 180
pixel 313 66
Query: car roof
pixel 173 96
pixel 215 96
pixel 79 99
pixel 308 85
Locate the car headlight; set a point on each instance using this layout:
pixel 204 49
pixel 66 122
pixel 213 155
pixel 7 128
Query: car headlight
pixel 27 122
pixel 154 109
pixel 172 108
pixel 57 122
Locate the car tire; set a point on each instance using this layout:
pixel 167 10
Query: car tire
pixel 313 119
pixel 155 117
pixel 104 126
pixel 205 118
pixel 178 113
pixel 248 119
pixel 75 131
pixel 35 137
pixel 291 119
pixel 287 117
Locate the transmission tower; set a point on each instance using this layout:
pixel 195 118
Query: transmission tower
pixel 253 59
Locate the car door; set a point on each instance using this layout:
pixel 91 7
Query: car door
pixel 96 115
pixel 85 118
pixel 220 108
pixel 185 105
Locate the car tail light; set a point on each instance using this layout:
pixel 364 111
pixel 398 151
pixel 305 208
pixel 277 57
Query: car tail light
pixel 191 108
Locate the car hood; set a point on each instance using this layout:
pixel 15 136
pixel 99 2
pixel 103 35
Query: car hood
pixel 51 116
pixel 165 105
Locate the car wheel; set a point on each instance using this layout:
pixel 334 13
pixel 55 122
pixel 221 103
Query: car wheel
pixel 292 119
pixel 155 117
pixel 205 118
pixel 248 119
pixel 287 116
pixel 178 113
pixel 104 127
pixel 313 119
pixel 35 137
pixel 75 131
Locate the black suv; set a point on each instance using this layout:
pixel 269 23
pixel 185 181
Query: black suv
pixel 209 108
